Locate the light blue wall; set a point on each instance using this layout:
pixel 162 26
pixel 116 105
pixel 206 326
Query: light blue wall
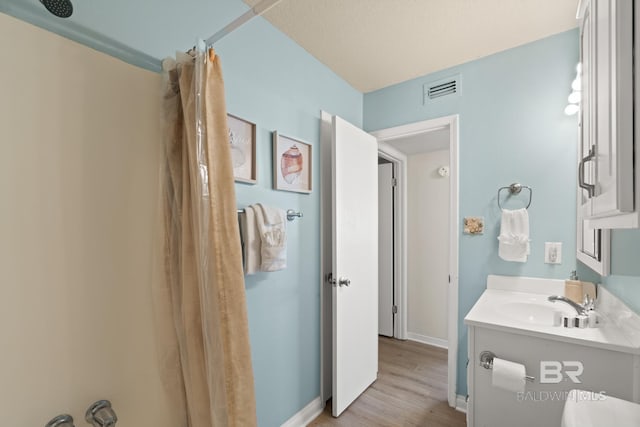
pixel 624 281
pixel 273 82
pixel 512 128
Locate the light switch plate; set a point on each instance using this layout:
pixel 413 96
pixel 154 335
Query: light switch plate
pixel 553 252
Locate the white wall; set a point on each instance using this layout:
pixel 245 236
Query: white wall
pixel 79 152
pixel 428 246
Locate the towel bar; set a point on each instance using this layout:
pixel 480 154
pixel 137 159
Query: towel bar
pixel 516 188
pixel 291 214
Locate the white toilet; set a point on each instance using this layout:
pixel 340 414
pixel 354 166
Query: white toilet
pixel 589 409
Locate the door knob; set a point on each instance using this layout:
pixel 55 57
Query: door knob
pixel 343 281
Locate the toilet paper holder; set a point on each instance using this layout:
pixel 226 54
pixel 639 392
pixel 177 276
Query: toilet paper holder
pixel 486 361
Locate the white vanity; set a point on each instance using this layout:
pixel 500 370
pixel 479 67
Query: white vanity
pixel 514 320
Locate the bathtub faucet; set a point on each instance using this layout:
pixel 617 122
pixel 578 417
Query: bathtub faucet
pixel 100 414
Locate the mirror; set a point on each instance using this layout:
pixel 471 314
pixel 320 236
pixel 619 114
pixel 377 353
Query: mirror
pixel 593 247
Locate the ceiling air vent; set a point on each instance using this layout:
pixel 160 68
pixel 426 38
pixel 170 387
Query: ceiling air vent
pixel 441 89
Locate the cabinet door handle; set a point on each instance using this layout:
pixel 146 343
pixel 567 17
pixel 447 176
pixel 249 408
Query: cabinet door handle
pixel 591 189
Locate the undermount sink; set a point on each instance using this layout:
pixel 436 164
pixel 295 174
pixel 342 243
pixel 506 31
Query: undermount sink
pixel 531 312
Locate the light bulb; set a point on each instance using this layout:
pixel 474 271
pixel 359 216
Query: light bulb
pixel 571 109
pixel 577 84
pixel 575 97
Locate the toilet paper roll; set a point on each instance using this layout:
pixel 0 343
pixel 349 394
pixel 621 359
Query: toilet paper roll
pixel 508 375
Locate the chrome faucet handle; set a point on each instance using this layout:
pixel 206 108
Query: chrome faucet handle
pixel 100 414
pixel 588 303
pixel 63 420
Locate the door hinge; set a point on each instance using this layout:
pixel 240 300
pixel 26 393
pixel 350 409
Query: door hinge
pixel 329 279
pixel 449 278
pixel 394 309
pixel 394 182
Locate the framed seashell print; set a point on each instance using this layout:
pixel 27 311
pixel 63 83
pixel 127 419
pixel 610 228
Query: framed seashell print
pixel 242 137
pixel 291 164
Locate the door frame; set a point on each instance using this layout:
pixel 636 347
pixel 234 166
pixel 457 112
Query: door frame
pixel 400 226
pixel 399 161
pixel 326 213
pixel 396 274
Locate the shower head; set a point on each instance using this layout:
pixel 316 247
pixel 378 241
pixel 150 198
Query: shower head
pixel 60 8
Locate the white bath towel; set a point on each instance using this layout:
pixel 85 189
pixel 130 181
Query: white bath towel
pixel 514 235
pixel 251 241
pixel 271 224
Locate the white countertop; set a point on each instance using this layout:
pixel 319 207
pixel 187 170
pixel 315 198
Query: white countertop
pixel 620 330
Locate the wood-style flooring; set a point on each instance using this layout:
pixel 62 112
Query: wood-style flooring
pixel 411 390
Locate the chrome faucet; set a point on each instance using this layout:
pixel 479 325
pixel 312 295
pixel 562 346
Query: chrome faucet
pixel 581 309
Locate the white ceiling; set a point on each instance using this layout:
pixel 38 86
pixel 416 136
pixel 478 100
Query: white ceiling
pixel 376 43
pixel 422 142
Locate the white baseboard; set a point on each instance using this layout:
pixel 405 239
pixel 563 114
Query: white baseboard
pixel 436 342
pixel 306 414
pixel 461 404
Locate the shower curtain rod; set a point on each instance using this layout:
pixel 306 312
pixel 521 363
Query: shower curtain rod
pixel 256 10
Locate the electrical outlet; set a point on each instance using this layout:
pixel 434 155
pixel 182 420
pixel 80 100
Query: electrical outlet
pixel 553 253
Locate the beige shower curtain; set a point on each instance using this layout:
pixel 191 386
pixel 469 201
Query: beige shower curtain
pixel 200 303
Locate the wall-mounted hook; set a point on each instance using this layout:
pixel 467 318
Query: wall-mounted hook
pixel 291 214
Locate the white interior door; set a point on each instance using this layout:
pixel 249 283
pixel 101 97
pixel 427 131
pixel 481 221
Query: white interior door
pixel 385 249
pixel 355 256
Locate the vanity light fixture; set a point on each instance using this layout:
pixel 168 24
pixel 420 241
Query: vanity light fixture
pixel 571 109
pixel 576 95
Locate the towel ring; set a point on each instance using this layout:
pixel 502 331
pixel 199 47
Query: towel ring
pixel 513 189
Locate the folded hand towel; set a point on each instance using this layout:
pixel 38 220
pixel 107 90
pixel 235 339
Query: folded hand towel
pixel 251 241
pixel 272 229
pixel 514 235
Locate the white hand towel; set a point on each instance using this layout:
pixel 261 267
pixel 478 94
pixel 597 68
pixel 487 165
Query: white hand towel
pixel 251 241
pixel 514 235
pixel 273 236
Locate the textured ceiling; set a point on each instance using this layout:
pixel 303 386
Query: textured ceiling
pixel 376 43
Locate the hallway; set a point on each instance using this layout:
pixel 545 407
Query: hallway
pixel 411 390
